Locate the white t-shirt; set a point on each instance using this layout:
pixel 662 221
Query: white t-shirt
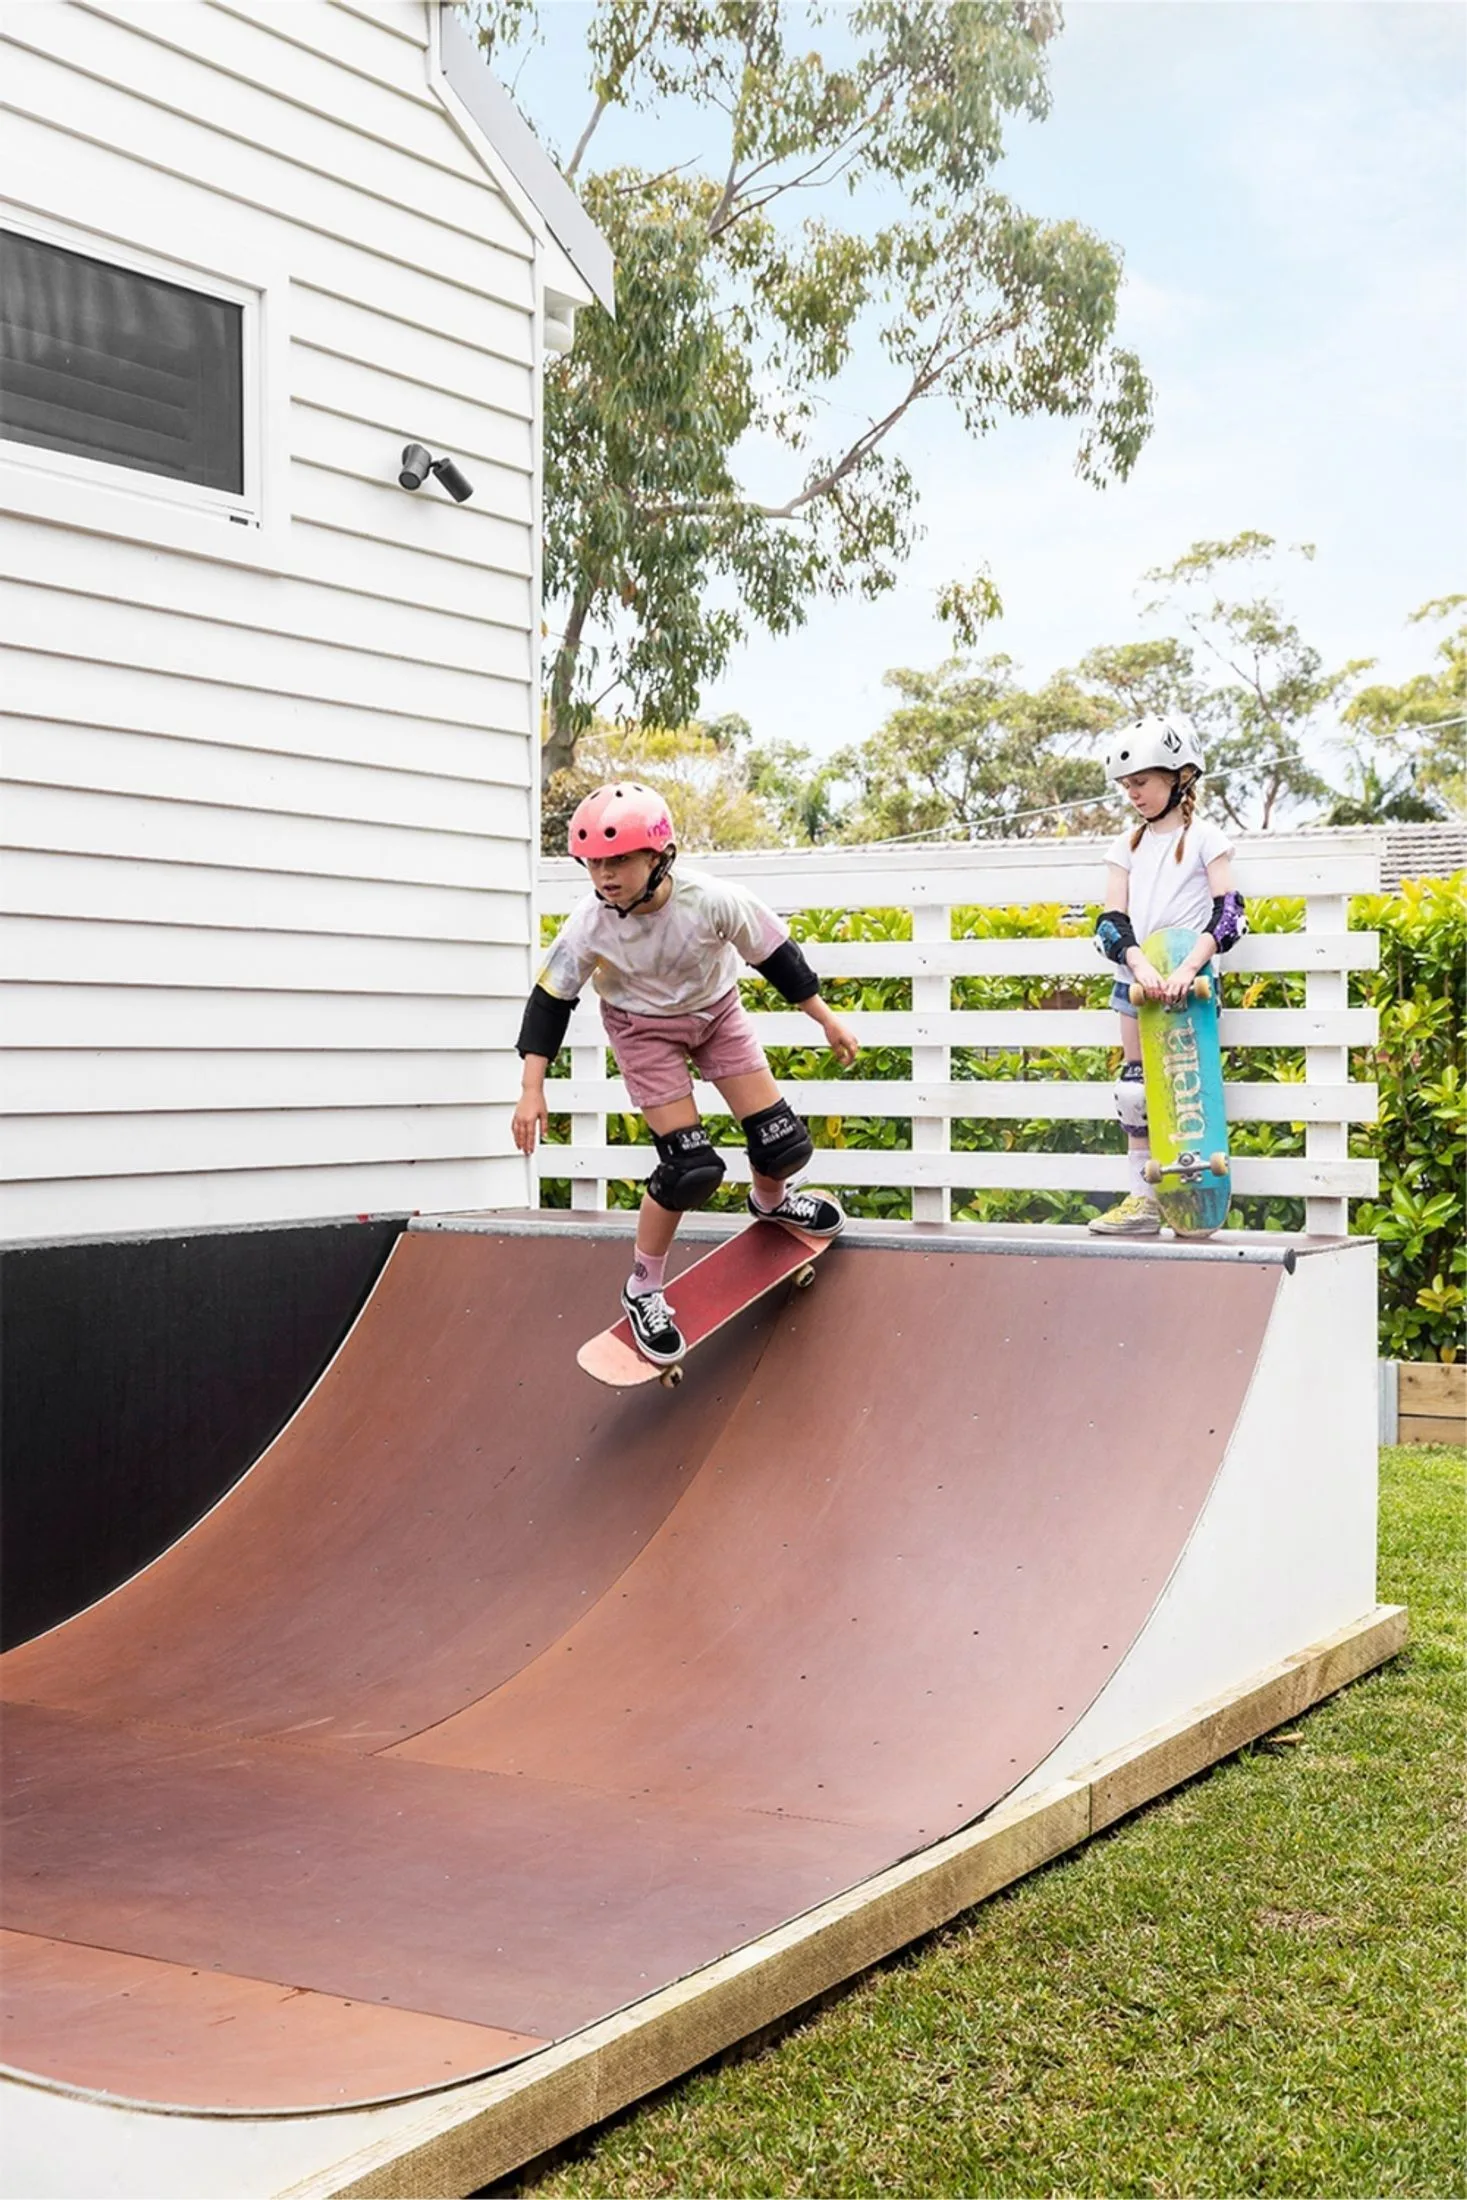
pixel 1163 891
pixel 680 957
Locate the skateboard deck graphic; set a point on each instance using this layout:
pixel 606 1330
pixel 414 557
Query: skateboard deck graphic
pixel 1189 1167
pixel 734 1275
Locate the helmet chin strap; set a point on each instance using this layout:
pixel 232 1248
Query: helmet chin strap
pixel 655 877
pixel 1179 788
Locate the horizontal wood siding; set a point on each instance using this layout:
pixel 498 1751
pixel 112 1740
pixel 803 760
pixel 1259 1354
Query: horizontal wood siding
pixel 268 807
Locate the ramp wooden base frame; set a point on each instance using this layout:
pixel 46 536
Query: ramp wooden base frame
pixel 477 2133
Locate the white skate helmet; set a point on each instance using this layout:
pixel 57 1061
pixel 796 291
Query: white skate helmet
pixel 1152 744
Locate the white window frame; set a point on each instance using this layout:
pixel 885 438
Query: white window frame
pixel 110 497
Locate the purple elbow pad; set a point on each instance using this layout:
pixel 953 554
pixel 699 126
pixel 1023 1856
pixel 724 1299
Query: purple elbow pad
pixel 1227 924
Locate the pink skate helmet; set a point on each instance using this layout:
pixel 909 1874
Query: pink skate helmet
pixel 614 820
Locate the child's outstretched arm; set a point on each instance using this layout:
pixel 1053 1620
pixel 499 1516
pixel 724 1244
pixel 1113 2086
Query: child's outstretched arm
pixel 790 974
pixel 542 1032
pixel 839 1037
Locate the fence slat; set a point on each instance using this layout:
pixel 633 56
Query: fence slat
pixel 1040 1027
pixel 1073 958
pixel 1278 1177
pixel 995 874
pixel 1327 991
pixel 931 1065
pixel 978 1098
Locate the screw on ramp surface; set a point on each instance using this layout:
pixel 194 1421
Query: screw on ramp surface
pixel 491 1701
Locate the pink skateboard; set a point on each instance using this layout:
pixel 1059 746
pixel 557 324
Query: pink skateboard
pixel 734 1275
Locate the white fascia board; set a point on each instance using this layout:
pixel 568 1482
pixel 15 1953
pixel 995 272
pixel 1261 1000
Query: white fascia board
pixel 497 132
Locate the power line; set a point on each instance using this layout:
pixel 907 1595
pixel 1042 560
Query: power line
pixel 966 826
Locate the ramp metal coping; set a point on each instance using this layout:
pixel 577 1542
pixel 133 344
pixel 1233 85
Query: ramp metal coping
pixel 1258 1248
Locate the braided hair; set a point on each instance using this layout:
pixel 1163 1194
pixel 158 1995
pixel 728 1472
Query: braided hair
pixel 1185 800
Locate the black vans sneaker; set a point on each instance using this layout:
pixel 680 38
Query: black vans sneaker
pixel 658 1337
pixel 816 1213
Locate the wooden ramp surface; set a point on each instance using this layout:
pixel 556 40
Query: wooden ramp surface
pixel 492 1700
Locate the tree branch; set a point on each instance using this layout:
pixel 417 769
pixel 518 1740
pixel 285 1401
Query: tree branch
pixel 559 751
pixel 924 379
pixel 733 205
pixel 612 89
pixel 569 170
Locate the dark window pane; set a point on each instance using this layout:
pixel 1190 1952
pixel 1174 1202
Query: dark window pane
pixel 108 364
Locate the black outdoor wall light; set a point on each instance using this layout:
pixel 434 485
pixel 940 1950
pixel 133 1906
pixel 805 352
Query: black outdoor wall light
pixel 418 463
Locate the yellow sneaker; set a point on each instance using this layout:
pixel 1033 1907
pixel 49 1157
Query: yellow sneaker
pixel 1136 1216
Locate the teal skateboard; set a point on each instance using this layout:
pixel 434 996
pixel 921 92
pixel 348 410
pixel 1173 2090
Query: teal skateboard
pixel 1189 1164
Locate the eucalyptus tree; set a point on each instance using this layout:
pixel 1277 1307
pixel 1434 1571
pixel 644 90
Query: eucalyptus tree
pixel 816 196
pixel 1419 728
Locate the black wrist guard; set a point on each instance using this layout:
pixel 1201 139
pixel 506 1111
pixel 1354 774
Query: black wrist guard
pixel 1114 935
pixel 789 973
pixel 543 1025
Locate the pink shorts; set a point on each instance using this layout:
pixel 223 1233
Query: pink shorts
pixel 653 1052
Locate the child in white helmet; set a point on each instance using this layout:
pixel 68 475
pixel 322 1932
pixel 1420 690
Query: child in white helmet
pixel 662 948
pixel 1172 868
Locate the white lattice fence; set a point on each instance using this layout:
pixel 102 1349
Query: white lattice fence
pixel 1324 870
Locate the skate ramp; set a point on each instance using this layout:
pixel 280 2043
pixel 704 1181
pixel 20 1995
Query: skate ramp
pixel 491 1700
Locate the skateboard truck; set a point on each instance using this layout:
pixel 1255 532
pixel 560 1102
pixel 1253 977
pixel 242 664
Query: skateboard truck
pixel 1190 1167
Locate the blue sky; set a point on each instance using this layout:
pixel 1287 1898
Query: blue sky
pixel 1286 182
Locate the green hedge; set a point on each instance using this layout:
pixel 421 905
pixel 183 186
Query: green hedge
pixel 1421 1137
pixel 1418 990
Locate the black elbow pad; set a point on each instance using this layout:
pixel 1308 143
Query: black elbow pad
pixel 789 973
pixel 543 1025
pixel 1115 935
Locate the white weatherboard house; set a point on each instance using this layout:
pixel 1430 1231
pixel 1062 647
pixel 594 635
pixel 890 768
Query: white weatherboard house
pixel 270 719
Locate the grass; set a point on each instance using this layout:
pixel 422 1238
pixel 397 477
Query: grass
pixel 1252 1987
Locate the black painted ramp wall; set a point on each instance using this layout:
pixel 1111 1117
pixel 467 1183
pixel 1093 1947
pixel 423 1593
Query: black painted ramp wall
pixel 140 1380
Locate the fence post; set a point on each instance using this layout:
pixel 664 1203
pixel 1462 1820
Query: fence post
pixel 931 1065
pixel 1326 1216
pixel 588 1065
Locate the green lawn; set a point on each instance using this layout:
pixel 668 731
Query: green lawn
pixel 1252 1987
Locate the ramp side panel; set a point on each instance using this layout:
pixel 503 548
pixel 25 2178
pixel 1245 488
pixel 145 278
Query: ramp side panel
pixel 1284 1551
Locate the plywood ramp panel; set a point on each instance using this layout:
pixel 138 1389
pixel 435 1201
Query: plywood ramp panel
pixel 494 1697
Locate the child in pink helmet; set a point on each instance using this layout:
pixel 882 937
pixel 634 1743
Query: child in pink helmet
pixel 662 948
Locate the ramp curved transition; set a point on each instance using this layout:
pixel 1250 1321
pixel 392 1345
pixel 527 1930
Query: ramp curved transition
pixel 491 1700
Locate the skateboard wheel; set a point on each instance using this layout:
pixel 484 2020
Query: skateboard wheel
pixel 1152 1171
pixel 804 1277
pixel 1202 989
pixel 1137 996
pixel 1218 1163
pixel 670 1377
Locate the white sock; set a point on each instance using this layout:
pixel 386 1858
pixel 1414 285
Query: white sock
pixel 1138 1156
pixel 646 1273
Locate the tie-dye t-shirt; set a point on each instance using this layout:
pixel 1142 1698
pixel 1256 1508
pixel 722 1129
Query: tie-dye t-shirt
pixel 682 956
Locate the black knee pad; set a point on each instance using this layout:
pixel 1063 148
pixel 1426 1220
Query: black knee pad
pixel 688 1172
pixel 777 1140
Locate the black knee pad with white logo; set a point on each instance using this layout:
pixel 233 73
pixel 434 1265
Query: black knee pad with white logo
pixel 777 1140
pixel 688 1171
